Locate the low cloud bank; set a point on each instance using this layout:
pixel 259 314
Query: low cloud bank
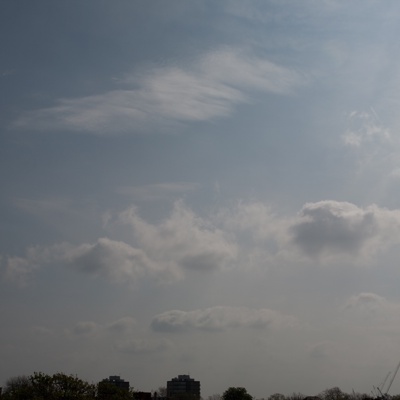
pixel 219 318
pixel 248 235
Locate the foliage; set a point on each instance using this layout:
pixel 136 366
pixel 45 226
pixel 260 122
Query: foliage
pixel 184 396
pixel 296 396
pixel 106 391
pixel 59 386
pixel 18 387
pixel 216 396
pixel 162 391
pixel 236 393
pixel 334 394
pixel 277 396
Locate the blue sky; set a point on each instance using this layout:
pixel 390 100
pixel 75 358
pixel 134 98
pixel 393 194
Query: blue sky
pixel 201 187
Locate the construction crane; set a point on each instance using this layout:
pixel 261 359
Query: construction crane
pixel 381 387
pixel 391 381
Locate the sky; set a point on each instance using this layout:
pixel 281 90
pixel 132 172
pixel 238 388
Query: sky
pixel 201 187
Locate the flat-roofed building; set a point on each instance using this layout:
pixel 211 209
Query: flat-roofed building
pixel 183 387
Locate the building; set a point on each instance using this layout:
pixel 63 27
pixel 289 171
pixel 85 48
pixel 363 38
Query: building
pixel 107 387
pixel 183 387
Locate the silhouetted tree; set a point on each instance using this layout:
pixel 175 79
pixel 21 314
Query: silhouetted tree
pixel 215 396
pixel 277 396
pixel 162 391
pixel 334 394
pixel 40 386
pixel 236 393
pixel 108 391
pixel 296 396
pixel 18 387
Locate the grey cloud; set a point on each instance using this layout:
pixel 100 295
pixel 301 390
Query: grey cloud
pixel 20 269
pixel 85 328
pixel 219 318
pixel 202 262
pixel 370 301
pixel 113 259
pixel 122 325
pixel 42 331
pixel 142 346
pixel 248 235
pixel 330 226
pixel 321 349
pixel 375 310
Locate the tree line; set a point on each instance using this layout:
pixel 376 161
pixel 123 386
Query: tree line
pixel 335 393
pixel 60 386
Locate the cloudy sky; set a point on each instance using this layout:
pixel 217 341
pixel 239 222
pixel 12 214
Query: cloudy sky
pixel 208 188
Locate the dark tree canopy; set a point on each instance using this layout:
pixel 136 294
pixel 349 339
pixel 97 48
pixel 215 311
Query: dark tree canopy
pixel 236 393
pixel 59 386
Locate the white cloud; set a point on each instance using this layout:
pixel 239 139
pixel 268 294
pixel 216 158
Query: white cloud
pixel 220 318
pixel 365 128
pixel 184 240
pixel 208 88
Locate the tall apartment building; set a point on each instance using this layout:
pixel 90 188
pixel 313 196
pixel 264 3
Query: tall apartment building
pixel 183 387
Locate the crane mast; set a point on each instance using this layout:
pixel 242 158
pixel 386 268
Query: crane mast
pixel 394 376
pixel 384 382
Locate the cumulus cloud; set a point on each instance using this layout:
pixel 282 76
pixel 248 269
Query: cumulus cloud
pixel 112 259
pixel 121 325
pixel 206 89
pixel 20 269
pixel 248 235
pixel 340 228
pixel 183 240
pixel 219 318
pixel 180 243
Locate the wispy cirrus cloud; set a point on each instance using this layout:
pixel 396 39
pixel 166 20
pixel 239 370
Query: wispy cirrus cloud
pixel 157 191
pixel 208 88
